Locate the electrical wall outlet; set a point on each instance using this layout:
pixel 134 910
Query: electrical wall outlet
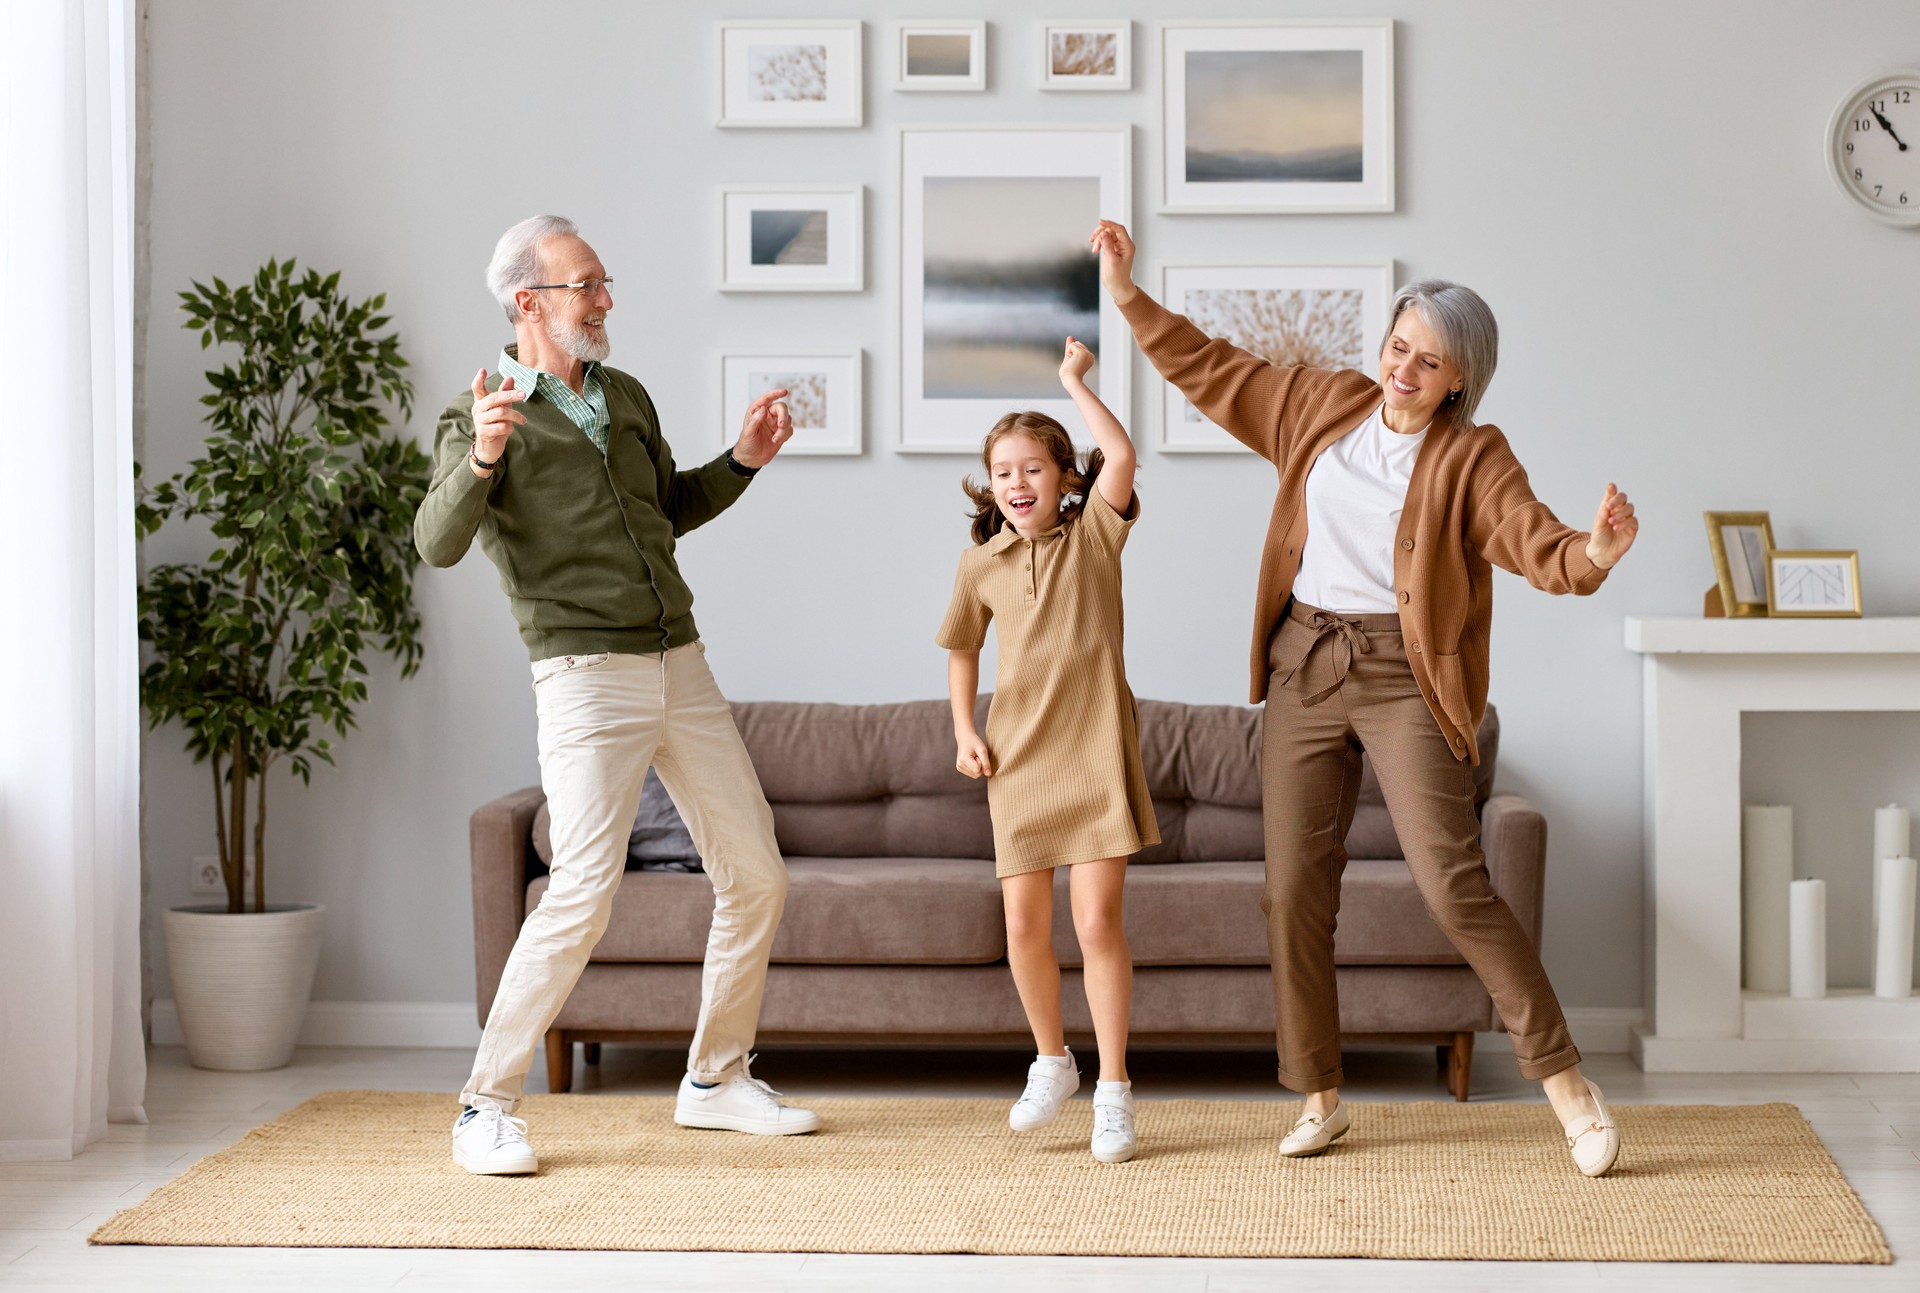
pixel 208 881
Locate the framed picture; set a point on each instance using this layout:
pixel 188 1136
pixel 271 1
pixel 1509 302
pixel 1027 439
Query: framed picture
pixel 996 274
pixel 1083 55
pixel 1324 316
pixel 790 74
pixel 1740 542
pixel 792 239
pixel 823 395
pixel 1277 116
pixel 941 55
pixel 1805 584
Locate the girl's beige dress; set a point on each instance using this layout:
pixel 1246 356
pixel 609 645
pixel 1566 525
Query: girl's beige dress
pixel 1063 732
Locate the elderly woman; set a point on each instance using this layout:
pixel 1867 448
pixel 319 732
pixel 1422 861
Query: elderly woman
pixel 1370 634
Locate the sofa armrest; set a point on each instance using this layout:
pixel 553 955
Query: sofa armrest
pixel 500 838
pixel 1514 837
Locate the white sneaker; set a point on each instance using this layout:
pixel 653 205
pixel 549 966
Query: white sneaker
pixel 741 1103
pixel 1312 1134
pixel 1114 1140
pixel 489 1143
pixel 1050 1080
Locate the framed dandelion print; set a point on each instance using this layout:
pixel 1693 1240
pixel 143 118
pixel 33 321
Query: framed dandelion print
pixel 790 74
pixel 1276 116
pixel 1076 54
pixel 1323 316
pixel 823 396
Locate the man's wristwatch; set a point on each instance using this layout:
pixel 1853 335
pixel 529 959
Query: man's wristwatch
pixel 739 468
pixel 474 458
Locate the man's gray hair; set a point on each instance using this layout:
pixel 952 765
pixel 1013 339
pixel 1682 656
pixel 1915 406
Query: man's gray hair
pixel 516 258
pixel 1467 333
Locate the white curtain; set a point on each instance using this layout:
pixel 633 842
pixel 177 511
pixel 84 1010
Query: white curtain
pixel 71 1055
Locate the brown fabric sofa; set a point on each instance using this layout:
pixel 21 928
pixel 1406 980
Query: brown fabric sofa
pixel 894 932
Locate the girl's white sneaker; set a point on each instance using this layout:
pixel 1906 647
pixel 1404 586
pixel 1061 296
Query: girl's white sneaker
pixel 1114 1140
pixel 1050 1080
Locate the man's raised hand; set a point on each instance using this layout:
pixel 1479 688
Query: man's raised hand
pixel 767 426
pixel 494 417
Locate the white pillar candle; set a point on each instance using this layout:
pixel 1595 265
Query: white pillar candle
pixel 1892 832
pixel 1894 881
pixel 1807 935
pixel 1766 869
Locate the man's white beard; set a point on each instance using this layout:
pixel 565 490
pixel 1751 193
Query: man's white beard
pixel 578 342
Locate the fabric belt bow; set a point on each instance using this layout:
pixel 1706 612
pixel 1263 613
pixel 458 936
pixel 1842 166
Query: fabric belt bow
pixel 1348 638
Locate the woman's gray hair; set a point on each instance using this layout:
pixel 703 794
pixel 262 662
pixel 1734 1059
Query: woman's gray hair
pixel 516 257
pixel 1467 333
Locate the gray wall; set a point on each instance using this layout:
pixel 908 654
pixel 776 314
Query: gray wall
pixel 1689 309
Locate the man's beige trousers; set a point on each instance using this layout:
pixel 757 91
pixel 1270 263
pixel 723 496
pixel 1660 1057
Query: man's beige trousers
pixel 603 720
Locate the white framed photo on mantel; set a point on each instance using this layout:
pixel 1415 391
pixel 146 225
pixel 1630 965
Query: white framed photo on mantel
pixel 795 74
pixel 1321 316
pixel 778 238
pixel 996 273
pixel 1276 117
pixel 937 54
pixel 823 396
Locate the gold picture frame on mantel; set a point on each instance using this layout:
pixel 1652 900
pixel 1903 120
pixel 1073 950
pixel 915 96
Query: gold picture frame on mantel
pixel 1814 584
pixel 1740 542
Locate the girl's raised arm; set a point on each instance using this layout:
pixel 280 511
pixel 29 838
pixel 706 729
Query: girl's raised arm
pixel 1115 481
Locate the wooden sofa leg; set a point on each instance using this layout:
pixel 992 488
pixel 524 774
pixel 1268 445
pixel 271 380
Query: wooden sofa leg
pixel 559 1061
pixel 590 1051
pixel 1460 1071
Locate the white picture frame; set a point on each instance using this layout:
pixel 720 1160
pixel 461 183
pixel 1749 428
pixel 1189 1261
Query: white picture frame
pixel 1327 316
pixel 977 333
pixel 792 238
pixel 925 50
pixel 826 396
pixel 801 74
pixel 1277 117
pixel 1086 54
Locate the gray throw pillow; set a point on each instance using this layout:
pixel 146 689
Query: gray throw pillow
pixel 659 840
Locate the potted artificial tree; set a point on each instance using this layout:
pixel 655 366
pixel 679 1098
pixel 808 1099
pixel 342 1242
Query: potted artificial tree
pixel 257 650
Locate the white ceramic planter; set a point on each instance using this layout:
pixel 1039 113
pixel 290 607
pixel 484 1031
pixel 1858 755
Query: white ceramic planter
pixel 241 981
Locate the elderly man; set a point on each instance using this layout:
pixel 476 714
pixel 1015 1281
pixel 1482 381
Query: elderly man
pixel 558 465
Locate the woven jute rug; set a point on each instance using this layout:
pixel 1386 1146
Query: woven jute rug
pixel 1433 1180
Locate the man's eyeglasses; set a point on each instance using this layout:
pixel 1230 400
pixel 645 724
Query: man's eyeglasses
pixel 591 286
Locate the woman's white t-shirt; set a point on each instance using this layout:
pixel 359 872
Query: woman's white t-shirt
pixel 1356 491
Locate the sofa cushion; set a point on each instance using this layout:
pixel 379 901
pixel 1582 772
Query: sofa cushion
pixel 1208 913
pixel 840 911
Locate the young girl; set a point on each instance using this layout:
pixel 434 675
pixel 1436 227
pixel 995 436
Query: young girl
pixel 1062 753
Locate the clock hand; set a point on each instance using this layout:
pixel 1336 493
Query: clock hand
pixel 1887 126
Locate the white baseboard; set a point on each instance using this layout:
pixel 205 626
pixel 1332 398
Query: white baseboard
pixel 361 1023
pixel 1597 1030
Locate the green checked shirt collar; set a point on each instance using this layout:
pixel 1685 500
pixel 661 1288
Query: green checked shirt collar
pixel 587 410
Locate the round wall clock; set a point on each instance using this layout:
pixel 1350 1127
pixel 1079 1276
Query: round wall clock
pixel 1873 146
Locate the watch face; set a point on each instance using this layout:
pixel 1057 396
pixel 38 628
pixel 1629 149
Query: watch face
pixel 1874 147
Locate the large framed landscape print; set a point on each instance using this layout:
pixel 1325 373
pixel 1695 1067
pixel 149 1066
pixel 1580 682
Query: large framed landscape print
pixel 996 273
pixel 1276 116
pixel 1322 316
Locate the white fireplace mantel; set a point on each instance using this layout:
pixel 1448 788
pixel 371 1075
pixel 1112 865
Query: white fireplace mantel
pixel 1701 675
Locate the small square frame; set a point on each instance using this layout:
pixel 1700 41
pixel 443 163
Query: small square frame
pixel 845 99
pixel 1844 562
pixel 1744 589
pixel 1121 29
pixel 1374 280
pixel 845 208
pixel 844 431
pixel 975 78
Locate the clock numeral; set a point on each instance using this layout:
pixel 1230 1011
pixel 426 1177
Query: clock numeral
pixel 1849 148
pixel 1865 123
pixel 1903 199
pixel 1903 96
pixel 1877 105
pixel 1877 188
pixel 1856 173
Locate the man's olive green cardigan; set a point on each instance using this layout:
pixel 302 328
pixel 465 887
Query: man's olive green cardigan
pixel 584 543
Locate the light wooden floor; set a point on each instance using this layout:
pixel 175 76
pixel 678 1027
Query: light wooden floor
pixel 1871 1123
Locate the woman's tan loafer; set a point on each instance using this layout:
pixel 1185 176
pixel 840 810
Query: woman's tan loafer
pixel 1594 1142
pixel 1312 1134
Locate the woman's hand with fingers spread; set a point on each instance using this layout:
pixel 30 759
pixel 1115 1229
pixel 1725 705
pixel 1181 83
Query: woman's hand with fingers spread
pixel 1614 529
